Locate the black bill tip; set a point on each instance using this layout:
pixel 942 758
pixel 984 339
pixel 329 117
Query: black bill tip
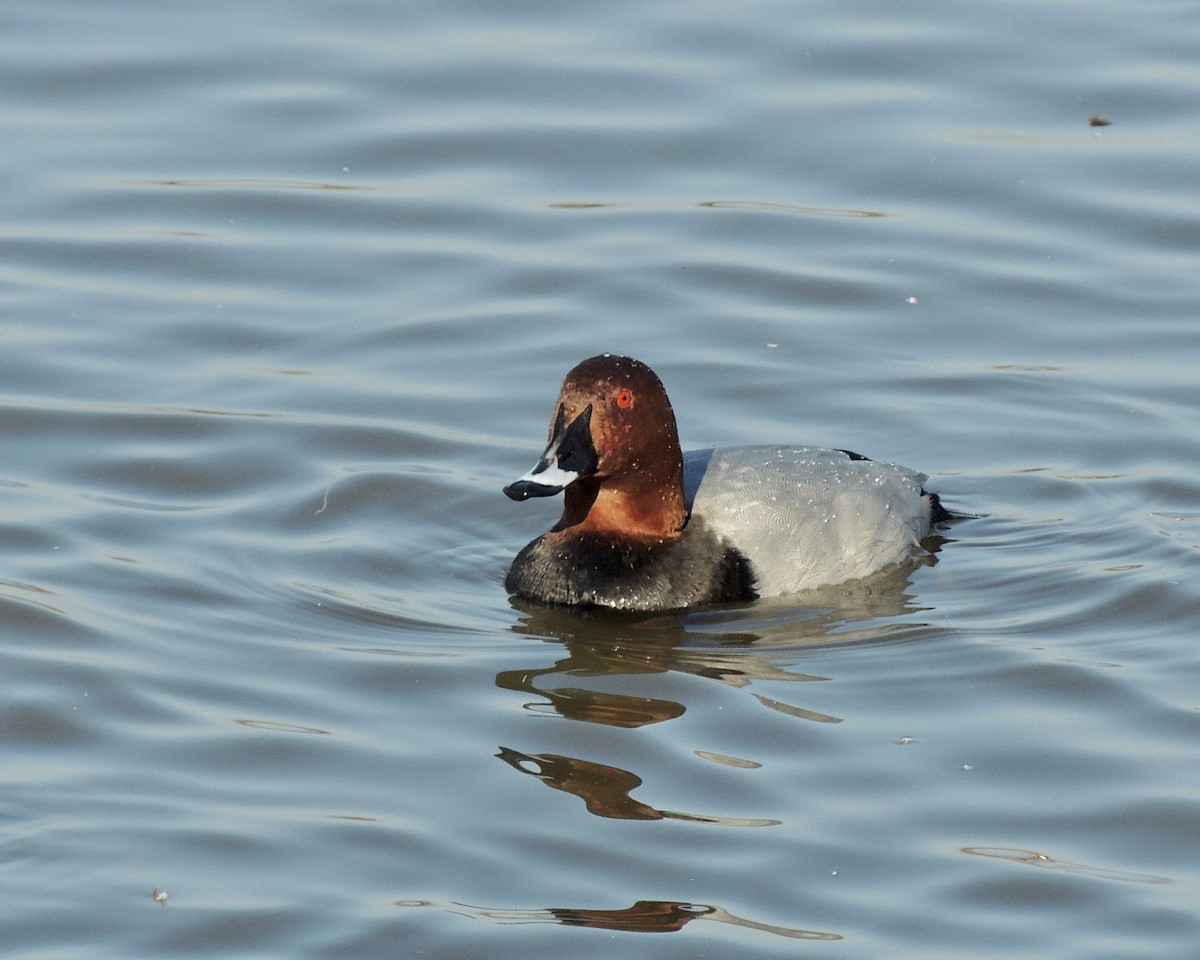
pixel 524 489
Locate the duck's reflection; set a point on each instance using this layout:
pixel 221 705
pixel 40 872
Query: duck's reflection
pixel 736 646
pixel 591 706
pixel 645 916
pixel 620 650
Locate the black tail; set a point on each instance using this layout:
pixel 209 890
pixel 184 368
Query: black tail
pixel 938 513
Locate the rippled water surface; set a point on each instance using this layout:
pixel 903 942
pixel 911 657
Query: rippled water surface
pixel 286 293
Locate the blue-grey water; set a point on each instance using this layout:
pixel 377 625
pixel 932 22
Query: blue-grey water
pixel 286 293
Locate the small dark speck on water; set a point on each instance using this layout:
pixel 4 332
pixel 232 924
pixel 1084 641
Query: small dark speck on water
pixel 1098 120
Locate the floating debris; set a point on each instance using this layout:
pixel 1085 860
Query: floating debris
pixel 1098 120
pixel 1035 859
pixel 159 897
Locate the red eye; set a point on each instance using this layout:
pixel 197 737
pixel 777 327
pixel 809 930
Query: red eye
pixel 624 399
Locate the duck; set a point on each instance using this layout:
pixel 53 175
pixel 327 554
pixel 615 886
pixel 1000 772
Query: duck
pixel 646 527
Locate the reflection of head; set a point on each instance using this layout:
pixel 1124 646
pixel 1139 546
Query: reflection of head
pixel 645 916
pixel 605 790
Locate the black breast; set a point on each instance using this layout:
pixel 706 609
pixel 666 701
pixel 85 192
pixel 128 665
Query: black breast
pixel 591 570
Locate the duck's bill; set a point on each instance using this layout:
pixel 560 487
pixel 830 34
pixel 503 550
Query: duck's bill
pixel 544 480
pixel 569 456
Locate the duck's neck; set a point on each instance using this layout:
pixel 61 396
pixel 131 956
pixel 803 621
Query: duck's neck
pixel 649 509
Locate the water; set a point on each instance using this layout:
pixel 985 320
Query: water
pixel 286 292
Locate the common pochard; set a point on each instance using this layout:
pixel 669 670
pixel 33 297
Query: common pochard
pixel 646 527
